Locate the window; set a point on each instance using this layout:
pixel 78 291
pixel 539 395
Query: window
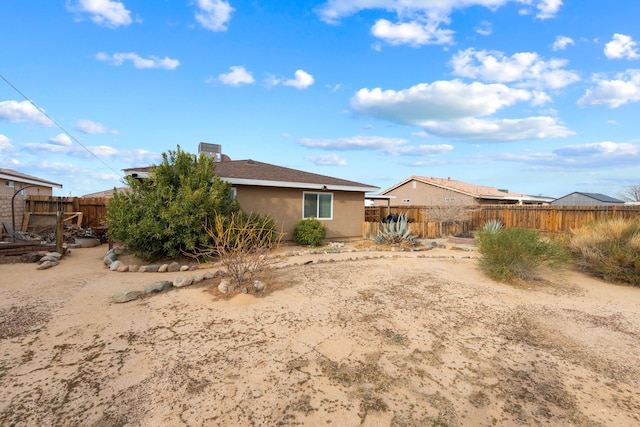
pixel 234 193
pixel 317 205
pixel 9 184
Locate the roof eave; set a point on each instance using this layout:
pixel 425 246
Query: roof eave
pixel 305 185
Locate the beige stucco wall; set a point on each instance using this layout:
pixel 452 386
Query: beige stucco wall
pixel 285 206
pixel 421 194
pixel 37 191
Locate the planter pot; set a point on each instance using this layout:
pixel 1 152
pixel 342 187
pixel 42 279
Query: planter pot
pixel 87 241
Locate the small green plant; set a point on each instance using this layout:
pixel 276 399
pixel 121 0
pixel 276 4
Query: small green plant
pixel 512 254
pixel 609 249
pixel 396 232
pixel 309 232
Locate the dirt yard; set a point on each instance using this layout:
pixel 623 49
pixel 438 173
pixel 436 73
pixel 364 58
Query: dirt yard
pixel 349 339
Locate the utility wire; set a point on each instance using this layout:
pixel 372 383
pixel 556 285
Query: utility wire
pixel 73 138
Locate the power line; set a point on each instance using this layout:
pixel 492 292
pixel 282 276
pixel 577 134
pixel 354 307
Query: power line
pixel 73 138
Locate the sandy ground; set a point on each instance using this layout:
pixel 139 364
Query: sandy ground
pixel 361 338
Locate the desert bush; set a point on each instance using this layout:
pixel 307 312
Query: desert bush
pixel 511 254
pixel 609 249
pixel 396 232
pixel 164 215
pixel 309 231
pixel 243 244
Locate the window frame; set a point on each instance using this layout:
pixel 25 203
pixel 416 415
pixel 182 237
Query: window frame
pixel 317 215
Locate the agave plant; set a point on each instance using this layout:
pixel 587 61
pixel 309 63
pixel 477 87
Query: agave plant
pixel 397 231
pixel 492 227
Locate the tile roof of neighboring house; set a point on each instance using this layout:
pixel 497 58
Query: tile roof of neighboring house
pixel 106 193
pixel 251 172
pixel 479 191
pixel 23 177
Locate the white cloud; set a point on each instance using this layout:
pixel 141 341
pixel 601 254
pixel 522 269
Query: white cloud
pixel 473 129
pixel 413 33
pixel 62 140
pixel 599 154
pixel 24 111
pixel 137 61
pixel 484 29
pixel 5 144
pixel 237 76
pixel 327 160
pixel 103 12
pixel 548 8
pixel 302 80
pixel 613 93
pixel 622 46
pixel 526 69
pixel 441 100
pixel 562 42
pixel 390 146
pixel 214 15
pixel 420 21
pixel 93 128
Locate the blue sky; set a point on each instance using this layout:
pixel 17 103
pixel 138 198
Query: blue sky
pixel 537 96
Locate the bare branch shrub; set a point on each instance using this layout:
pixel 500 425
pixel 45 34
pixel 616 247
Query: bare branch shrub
pixel 244 244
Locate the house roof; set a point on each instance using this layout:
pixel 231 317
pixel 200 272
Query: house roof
pixel 107 193
pixel 596 196
pixel 12 175
pixel 477 191
pixel 252 172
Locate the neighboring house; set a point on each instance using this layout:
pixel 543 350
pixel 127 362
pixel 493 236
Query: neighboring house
pixel 289 195
pixel 105 194
pixel 427 191
pixel 14 186
pixel 586 199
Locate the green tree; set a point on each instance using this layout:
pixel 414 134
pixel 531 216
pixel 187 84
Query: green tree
pixel 165 215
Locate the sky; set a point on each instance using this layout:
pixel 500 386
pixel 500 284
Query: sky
pixel 541 97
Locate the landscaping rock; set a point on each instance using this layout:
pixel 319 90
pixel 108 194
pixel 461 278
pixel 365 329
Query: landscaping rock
pixel 109 258
pixel 163 268
pixel 184 268
pixel 258 285
pixel 53 260
pixel 115 265
pixel 182 281
pixel 158 286
pixel 173 267
pixel 126 296
pixel 45 265
pixel 223 286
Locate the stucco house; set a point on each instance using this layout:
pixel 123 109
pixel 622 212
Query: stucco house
pixel 289 195
pixel 428 191
pixel 587 199
pixel 14 187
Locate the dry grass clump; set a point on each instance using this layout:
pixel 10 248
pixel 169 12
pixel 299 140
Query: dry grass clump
pixel 609 249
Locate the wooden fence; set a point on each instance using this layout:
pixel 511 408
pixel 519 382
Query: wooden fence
pixel 92 209
pixel 433 222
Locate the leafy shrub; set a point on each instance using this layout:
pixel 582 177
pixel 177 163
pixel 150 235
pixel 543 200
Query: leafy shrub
pixel 397 231
pixel 609 249
pixel 164 215
pixel 511 254
pixel 309 231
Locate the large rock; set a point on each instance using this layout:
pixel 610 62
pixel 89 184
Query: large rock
pixel 182 281
pixel 158 286
pixel 53 260
pixel 126 296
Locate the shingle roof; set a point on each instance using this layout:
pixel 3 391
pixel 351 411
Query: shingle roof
pixel 10 173
pixel 600 197
pixel 251 172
